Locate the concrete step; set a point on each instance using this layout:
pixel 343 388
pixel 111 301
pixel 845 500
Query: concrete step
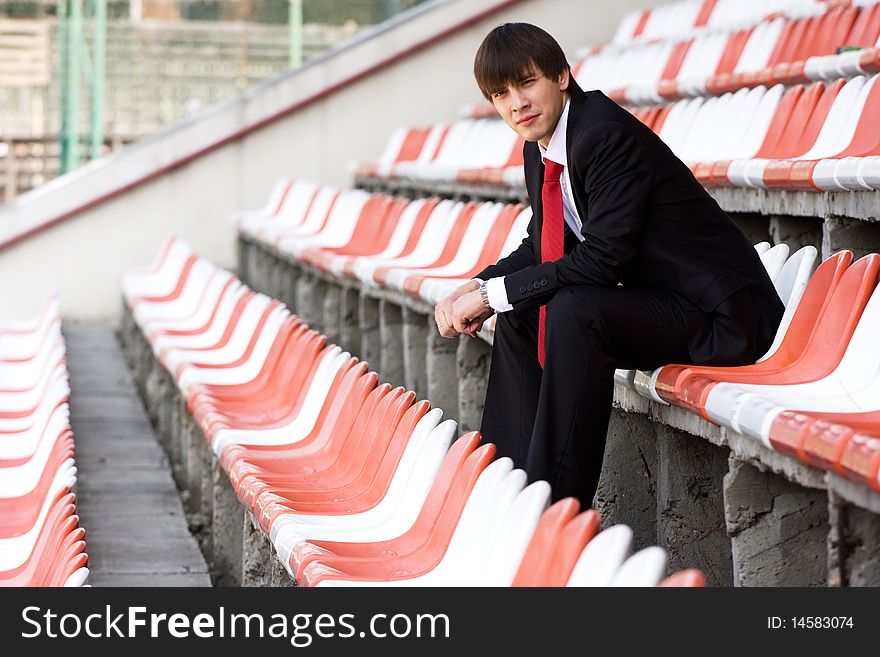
pixel 136 532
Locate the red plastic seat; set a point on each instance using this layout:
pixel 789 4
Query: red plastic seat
pixel 360 483
pixel 559 539
pixel 415 552
pixel 690 578
pixel 813 345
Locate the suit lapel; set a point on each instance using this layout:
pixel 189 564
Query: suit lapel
pixel 534 170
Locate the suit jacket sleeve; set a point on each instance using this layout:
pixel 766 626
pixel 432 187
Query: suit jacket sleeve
pixel 617 178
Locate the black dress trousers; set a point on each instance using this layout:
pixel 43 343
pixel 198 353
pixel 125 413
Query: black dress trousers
pixel 553 422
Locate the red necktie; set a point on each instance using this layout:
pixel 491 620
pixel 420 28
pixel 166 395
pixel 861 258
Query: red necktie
pixel 551 232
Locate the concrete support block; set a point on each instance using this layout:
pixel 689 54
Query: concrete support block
pixel 278 575
pixel 797 232
pixel 627 488
pixel 331 311
pixel 128 343
pixel 368 327
pixel 287 286
pixel 226 524
pixel 778 529
pixel 201 482
pixel 472 361
pixel 250 266
pixel 256 555
pixel 690 504
pixel 755 226
pixel 158 404
pixel 349 327
pixel 243 253
pixel 415 341
pixel 861 237
pixel 207 458
pixel 152 390
pixel 390 343
pixel 853 558
pixel 192 473
pixel 178 442
pixel 262 263
pixel 168 419
pixel 277 273
pixel 309 297
pixel 137 352
pixel 441 362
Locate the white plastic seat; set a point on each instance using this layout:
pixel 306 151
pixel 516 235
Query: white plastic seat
pixel 790 285
pixel 491 498
pixel 392 516
pixel 774 259
pixel 340 225
pixel 427 250
pixel 191 288
pixel 515 535
pixel 602 557
pixel 396 243
pixel 853 386
pixel 274 203
pixel 15 550
pixel 300 427
pixel 49 420
pixel 645 568
pixel 242 333
pixel 159 278
pixel 244 372
pixel 291 213
pixel 214 329
pixel 476 234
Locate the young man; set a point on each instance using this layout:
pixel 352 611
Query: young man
pixel 628 263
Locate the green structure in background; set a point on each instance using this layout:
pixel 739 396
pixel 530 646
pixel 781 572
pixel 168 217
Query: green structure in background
pixel 296 40
pixel 78 67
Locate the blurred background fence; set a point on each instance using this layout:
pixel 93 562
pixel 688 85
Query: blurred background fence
pixel 164 60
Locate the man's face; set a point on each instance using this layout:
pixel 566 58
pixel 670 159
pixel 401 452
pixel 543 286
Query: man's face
pixel 532 105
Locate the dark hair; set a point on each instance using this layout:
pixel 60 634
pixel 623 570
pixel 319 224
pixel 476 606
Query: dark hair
pixel 512 49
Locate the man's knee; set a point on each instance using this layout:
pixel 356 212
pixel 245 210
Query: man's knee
pixel 574 307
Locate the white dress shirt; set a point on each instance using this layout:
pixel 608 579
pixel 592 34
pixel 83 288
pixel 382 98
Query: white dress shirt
pixel 555 152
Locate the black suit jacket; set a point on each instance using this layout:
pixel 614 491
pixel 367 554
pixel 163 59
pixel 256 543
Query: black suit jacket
pixel 646 222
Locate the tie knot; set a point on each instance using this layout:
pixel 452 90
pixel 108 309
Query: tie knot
pixel 552 171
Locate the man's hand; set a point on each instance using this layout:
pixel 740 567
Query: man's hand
pixel 469 313
pixel 443 311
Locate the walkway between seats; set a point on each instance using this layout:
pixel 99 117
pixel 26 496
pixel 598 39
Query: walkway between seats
pixel 128 504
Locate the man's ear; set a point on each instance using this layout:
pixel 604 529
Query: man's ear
pixel 564 79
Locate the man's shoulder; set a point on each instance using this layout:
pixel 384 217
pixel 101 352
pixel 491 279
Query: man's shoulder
pixel 595 113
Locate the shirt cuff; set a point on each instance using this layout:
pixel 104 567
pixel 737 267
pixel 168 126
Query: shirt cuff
pixel 497 294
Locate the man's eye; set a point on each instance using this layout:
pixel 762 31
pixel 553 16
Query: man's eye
pixel 498 94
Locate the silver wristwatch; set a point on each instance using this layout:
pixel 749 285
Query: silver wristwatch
pixel 484 294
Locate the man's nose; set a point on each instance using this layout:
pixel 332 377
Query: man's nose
pixel 519 100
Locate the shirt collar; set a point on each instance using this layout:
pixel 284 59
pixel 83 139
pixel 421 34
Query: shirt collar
pixel 556 150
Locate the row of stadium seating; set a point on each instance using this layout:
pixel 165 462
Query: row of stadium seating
pixel 839 42
pixel 424 247
pixel 813 137
pixel 688 17
pixel 818 346
pixel 41 542
pixel 814 394
pixel 356 482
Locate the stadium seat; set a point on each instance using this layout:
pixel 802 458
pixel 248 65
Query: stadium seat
pixel 41 543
